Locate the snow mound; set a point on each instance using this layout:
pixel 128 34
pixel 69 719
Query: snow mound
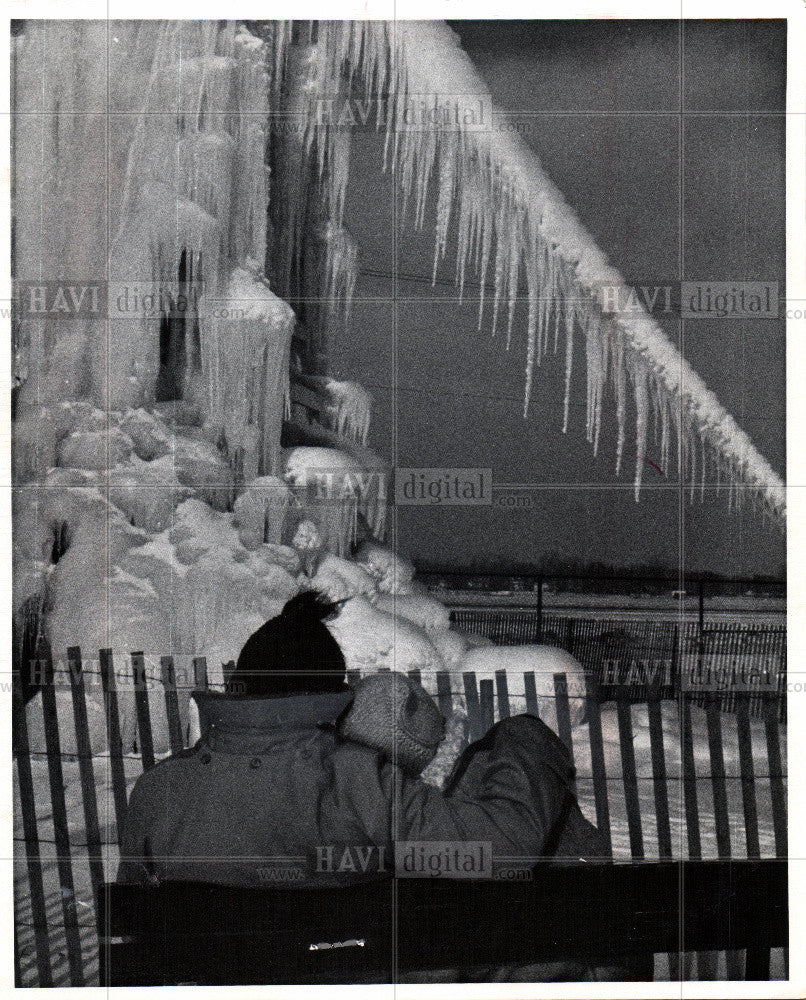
pixel 147 495
pixel 543 661
pixel 393 572
pixel 101 449
pixel 473 639
pixel 423 610
pixel 371 639
pixel 451 646
pixel 341 579
pixel 151 437
pixel 200 465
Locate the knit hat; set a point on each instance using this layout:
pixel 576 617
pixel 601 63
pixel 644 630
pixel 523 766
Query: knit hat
pixel 292 653
pixel 394 714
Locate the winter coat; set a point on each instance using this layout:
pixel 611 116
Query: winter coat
pixel 272 795
pixel 270 784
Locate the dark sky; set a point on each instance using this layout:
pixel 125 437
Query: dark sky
pixel 600 102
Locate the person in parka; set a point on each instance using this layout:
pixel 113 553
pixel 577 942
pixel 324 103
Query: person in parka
pixel 275 792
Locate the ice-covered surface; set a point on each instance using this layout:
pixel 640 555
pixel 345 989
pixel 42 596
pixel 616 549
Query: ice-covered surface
pixel 394 572
pixel 422 609
pixel 349 410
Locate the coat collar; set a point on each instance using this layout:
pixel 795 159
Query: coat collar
pixel 237 724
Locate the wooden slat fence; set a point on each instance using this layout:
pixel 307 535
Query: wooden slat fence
pixel 662 777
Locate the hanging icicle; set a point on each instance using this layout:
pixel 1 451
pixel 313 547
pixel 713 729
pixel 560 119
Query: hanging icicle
pixel 349 408
pixel 498 188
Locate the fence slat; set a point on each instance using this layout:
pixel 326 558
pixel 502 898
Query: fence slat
pixel 143 711
pixel 444 696
pixel 530 690
pixel 416 676
pixel 114 740
pixel 486 705
pixel 171 703
pixel 748 776
pixel 777 790
pixel 85 768
pixel 200 672
pixel 33 858
pixel 713 719
pixel 624 715
pixel 757 964
pixel 563 711
pixel 61 830
pixel 17 965
pixel 660 786
pixel 659 779
pixel 690 781
pixel 594 710
pixel 503 694
pixel 473 707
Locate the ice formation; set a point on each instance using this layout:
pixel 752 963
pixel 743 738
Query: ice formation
pixel 426 612
pixel 335 486
pixel 341 579
pixel 260 511
pixel 152 358
pixel 393 572
pixel 512 220
pixel 349 410
pixel 190 316
pixel 451 646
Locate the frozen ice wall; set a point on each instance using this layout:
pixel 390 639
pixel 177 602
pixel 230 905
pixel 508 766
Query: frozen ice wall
pixel 152 355
pixel 140 177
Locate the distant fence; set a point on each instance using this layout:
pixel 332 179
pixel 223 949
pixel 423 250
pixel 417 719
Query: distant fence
pixel 681 587
pixel 723 659
pixel 652 772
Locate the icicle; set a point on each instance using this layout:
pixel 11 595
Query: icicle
pixel 245 364
pixel 447 173
pixel 602 361
pixel 411 58
pixel 486 240
pixel 594 355
pixel 703 467
pixel 350 409
pixel 339 172
pixel 185 133
pixel 640 378
pixel 514 247
pixel 340 268
pixel 533 285
pixel 569 360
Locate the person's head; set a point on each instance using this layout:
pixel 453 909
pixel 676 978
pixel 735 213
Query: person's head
pixel 293 653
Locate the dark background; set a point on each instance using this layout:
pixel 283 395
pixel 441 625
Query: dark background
pixel 668 139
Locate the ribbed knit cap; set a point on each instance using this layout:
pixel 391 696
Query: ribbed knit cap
pixel 394 714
